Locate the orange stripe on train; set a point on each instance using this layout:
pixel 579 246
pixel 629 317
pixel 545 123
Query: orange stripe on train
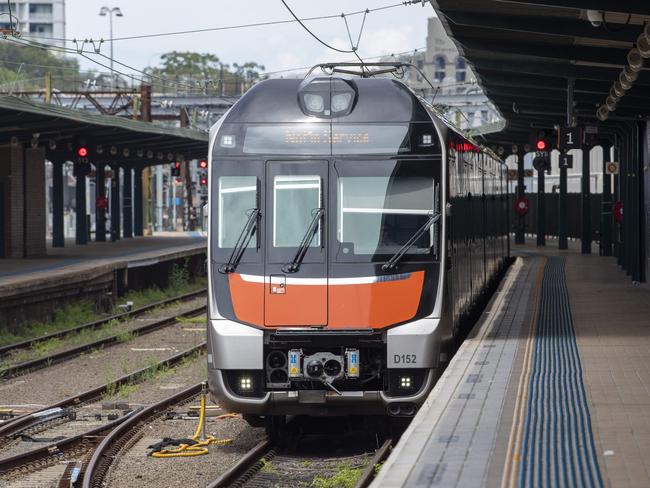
pixel 341 306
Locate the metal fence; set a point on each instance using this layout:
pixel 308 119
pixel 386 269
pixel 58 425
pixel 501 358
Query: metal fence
pixel 574 215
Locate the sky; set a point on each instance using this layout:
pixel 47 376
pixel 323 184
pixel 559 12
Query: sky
pixel 277 47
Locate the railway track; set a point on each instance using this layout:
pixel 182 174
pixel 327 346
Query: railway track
pixel 29 343
pixel 57 357
pixel 268 464
pixel 76 446
pixel 107 450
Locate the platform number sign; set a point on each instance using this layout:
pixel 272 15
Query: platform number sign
pixel 566 160
pixel 570 138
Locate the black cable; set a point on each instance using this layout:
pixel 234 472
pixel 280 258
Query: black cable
pixel 11 19
pixel 231 27
pixel 314 35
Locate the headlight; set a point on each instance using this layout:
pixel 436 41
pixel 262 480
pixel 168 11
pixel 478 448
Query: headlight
pixel 341 102
pixel 314 103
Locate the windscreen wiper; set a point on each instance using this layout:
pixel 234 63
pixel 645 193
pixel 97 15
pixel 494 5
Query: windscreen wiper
pixel 242 242
pixel 294 265
pixel 392 262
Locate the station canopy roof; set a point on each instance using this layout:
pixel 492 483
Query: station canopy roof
pixel 24 119
pixel 524 52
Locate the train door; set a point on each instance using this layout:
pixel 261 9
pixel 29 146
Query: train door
pixel 296 236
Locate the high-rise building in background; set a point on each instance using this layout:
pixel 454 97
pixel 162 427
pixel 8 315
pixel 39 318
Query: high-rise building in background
pixel 42 18
pixel 451 83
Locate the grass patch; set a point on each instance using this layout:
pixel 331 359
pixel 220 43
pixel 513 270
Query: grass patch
pixel 267 467
pixel 82 312
pixel 110 391
pixel 127 390
pixel 155 371
pixel 64 318
pixel 86 336
pixel 125 336
pixel 346 476
pixel 199 320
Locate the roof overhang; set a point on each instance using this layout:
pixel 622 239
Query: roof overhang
pixel 525 52
pixel 26 120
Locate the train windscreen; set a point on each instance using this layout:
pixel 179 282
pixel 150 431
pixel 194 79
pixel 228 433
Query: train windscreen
pixel 381 205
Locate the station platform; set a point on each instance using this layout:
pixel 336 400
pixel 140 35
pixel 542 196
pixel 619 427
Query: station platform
pixel 90 270
pixel 551 388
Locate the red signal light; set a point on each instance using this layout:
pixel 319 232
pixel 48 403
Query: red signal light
pixel 203 164
pixel 204 181
pixel 82 152
pixel 540 144
pixel 177 165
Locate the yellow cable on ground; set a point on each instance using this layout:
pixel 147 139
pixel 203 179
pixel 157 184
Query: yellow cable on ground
pixel 202 445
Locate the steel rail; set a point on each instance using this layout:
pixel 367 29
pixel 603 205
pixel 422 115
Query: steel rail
pixel 73 352
pixel 370 472
pixel 104 455
pixel 58 450
pixel 243 465
pixel 98 323
pixel 15 426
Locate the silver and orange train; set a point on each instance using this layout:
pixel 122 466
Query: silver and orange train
pixel 351 230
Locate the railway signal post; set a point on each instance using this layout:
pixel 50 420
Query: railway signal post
pixel 541 162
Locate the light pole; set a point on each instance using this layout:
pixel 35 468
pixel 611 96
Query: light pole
pixel 118 13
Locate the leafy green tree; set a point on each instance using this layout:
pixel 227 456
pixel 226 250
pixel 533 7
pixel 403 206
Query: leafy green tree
pixel 249 72
pixel 188 63
pixel 204 71
pixel 28 65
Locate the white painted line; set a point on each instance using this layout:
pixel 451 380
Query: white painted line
pixel 146 349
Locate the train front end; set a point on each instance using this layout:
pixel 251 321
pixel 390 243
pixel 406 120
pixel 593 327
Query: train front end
pixel 326 239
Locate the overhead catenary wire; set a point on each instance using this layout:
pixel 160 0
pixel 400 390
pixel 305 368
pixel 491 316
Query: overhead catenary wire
pixel 231 27
pixel 84 54
pixel 263 74
pixel 97 50
pixel 329 46
pixel 180 84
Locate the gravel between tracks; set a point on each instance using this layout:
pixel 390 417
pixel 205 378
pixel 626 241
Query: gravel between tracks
pixel 48 385
pixel 135 469
pixel 165 383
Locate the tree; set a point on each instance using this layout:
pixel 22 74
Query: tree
pixel 249 72
pixel 187 63
pixel 28 65
pixel 205 71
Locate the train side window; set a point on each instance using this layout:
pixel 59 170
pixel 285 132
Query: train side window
pixel 294 199
pixel 237 197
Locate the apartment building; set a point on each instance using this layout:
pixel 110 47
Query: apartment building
pixel 42 18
